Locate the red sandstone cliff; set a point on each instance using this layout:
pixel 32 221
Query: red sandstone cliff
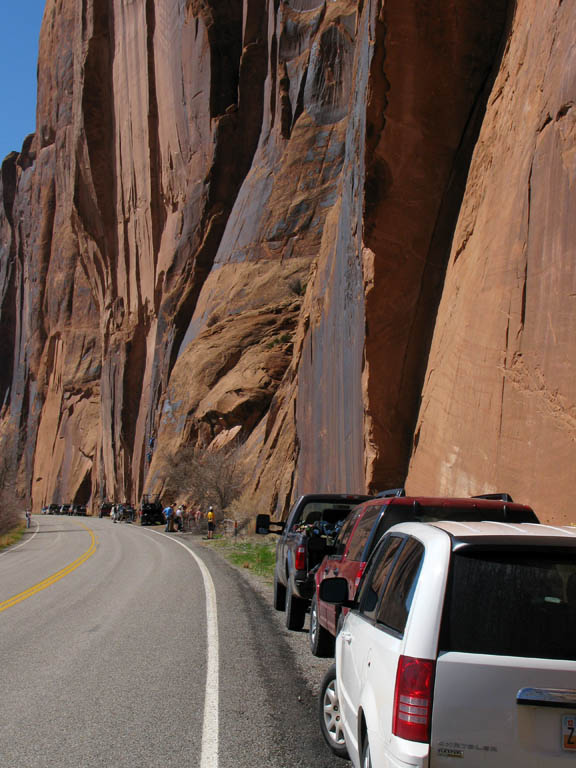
pixel 499 400
pixel 337 231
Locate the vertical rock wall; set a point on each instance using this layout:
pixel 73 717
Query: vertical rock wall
pixel 234 223
pixel 430 80
pixel 499 399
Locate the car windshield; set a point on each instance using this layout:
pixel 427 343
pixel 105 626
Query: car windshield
pixel 511 603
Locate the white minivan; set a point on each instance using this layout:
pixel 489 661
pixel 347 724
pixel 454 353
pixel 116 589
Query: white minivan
pixel 459 649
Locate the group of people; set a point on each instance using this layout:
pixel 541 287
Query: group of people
pixel 175 517
pixel 122 512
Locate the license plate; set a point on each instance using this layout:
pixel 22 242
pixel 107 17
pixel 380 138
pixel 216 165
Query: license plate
pixel 569 733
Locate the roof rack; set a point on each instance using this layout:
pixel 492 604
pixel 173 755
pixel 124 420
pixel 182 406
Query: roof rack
pixel 495 497
pixel 391 492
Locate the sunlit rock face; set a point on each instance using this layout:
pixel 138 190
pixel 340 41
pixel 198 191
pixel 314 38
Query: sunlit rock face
pixel 140 149
pixel 499 400
pixel 335 233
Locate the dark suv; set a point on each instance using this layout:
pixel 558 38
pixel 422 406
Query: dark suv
pixel 365 527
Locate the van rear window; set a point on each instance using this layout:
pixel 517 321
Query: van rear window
pixel 511 603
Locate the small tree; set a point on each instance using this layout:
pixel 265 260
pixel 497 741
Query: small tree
pixel 10 515
pixel 208 477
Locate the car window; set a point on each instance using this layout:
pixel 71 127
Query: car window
pixel 398 593
pixel 379 571
pixel 322 511
pixel 511 603
pixel 345 531
pixel 362 533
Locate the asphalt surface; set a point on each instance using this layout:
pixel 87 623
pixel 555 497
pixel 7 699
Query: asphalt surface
pixel 103 656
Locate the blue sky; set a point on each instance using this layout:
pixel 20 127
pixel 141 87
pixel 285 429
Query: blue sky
pixel 20 22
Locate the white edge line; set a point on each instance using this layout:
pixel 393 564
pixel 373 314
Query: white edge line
pixel 210 726
pixel 11 549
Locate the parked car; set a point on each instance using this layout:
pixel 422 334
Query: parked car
pixel 151 510
pixel 78 509
pixel 305 537
pixel 366 525
pixel 105 509
pixel 65 509
pixel 54 509
pixel 460 644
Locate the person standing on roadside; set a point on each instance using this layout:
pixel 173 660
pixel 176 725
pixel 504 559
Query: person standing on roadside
pixel 185 517
pixel 168 513
pixel 180 518
pixel 211 523
pixel 28 518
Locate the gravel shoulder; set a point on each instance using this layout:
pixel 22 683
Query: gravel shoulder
pixel 310 667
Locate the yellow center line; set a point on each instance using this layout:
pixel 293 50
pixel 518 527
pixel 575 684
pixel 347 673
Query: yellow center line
pixel 54 577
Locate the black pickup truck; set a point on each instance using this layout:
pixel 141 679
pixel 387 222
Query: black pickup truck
pixel 305 537
pixel 151 510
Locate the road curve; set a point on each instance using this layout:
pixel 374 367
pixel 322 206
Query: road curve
pixel 107 665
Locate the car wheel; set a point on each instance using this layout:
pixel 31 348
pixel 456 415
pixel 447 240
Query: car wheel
pixel 279 595
pixel 329 711
pixel 321 641
pixel 295 611
pixel 366 757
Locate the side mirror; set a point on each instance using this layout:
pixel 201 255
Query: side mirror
pixel 335 591
pixel 263 524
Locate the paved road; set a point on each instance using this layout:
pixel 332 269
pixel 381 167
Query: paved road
pixel 104 657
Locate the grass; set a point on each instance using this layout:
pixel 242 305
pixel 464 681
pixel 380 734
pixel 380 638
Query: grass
pixel 13 536
pixel 256 556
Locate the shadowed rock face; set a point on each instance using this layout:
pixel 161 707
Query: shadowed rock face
pixel 424 113
pixel 237 220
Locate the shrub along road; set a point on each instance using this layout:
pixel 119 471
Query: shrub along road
pixel 105 657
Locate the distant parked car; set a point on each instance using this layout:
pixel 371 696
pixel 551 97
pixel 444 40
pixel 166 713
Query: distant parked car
pixel 78 509
pixel 460 645
pixel 66 509
pixel 367 524
pixel 54 509
pixel 105 509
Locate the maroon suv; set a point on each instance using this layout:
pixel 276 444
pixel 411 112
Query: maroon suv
pixel 368 522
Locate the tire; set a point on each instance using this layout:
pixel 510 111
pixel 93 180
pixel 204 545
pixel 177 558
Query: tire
pixel 329 715
pixel 321 641
pixel 279 595
pixel 366 761
pixel 295 611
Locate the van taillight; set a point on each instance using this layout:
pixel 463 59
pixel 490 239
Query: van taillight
pixel 413 698
pixel 359 573
pixel 300 559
